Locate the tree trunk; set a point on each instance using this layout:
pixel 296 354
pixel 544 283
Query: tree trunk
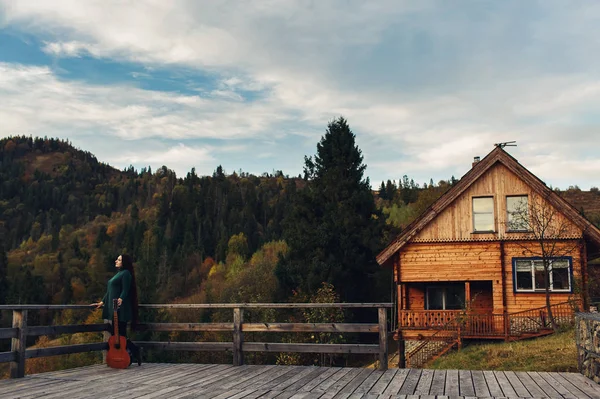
pixel 548 306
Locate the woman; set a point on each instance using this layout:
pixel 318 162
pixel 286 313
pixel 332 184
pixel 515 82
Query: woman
pixel 122 287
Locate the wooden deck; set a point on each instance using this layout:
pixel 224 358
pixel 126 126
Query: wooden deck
pixel 158 380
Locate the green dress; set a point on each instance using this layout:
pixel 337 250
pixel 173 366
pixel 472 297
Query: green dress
pixel 118 287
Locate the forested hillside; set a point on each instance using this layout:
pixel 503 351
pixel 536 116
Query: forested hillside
pixel 65 216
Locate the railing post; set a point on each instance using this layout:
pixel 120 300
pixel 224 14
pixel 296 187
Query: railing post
pixel 105 336
pixel 383 339
pixel 238 338
pixel 401 351
pixel 17 368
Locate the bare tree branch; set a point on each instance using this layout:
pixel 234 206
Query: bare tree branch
pixel 543 224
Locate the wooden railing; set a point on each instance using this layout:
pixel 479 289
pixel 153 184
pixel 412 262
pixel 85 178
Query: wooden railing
pixel 532 320
pixel 482 325
pixel 20 331
pixel 491 325
pixel 425 319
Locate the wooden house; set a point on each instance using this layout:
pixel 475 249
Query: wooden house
pixel 466 269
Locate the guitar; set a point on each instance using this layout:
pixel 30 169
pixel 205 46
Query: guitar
pixel 117 356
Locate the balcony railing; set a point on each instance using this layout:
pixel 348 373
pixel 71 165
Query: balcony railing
pixel 20 331
pixel 491 325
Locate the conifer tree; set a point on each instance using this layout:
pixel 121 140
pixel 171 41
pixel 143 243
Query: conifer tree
pixel 383 191
pixel 334 228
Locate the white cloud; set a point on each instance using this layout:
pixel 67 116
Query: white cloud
pixel 180 158
pixel 35 101
pixel 424 86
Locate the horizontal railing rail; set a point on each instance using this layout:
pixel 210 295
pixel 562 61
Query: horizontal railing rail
pixel 20 331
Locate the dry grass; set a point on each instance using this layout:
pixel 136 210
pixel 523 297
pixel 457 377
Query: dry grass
pixel 556 352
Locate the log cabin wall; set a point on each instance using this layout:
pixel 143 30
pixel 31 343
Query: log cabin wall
pixel 455 222
pixel 445 262
pixel 479 262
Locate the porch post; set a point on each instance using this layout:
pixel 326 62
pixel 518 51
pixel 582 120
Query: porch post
pixel 506 325
pixel 400 289
pixel 468 294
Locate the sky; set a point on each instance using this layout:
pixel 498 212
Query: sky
pixel 251 85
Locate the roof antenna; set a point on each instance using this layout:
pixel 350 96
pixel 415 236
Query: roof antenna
pixel 506 144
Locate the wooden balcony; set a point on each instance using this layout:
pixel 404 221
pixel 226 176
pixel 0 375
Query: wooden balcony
pixel 473 325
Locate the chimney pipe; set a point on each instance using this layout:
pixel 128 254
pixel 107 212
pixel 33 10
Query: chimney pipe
pixel 475 161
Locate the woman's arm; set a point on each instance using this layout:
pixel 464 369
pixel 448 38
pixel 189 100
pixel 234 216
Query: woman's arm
pixel 98 305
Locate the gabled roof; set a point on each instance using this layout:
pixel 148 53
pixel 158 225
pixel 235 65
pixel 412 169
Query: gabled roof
pixel 501 156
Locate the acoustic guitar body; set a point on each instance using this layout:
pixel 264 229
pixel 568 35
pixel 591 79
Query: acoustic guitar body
pixel 117 356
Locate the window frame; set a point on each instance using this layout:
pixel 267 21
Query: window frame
pixel 508 229
pixel 475 231
pixel 533 290
pixel 444 289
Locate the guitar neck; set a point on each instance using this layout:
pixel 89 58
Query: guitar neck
pixel 116 323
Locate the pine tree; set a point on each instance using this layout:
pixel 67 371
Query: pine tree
pixel 334 228
pixel 383 191
pixel 390 189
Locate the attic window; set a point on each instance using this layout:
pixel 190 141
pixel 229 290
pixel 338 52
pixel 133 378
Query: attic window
pixel 517 214
pixel 483 214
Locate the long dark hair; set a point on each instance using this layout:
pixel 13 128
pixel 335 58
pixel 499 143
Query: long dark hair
pixel 127 264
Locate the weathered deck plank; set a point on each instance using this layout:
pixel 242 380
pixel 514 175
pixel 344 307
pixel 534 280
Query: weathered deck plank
pixel 396 383
pixel 521 391
pixel 465 379
pixel 493 385
pixel 179 381
pixel 507 389
pixel 438 383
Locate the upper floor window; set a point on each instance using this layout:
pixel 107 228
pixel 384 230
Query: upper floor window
pixel 529 274
pixel 517 213
pixel 483 214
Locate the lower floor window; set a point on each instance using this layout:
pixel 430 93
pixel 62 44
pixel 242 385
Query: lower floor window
pixel 530 276
pixel 446 297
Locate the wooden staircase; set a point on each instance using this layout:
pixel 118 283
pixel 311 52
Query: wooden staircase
pixel 428 351
pixel 434 346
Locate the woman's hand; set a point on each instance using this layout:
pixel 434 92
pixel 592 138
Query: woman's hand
pixel 98 305
pixel 119 302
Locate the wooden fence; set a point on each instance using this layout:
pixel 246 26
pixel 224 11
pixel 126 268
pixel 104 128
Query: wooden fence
pixel 20 331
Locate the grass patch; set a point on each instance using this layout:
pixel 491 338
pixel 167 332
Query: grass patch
pixel 556 352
